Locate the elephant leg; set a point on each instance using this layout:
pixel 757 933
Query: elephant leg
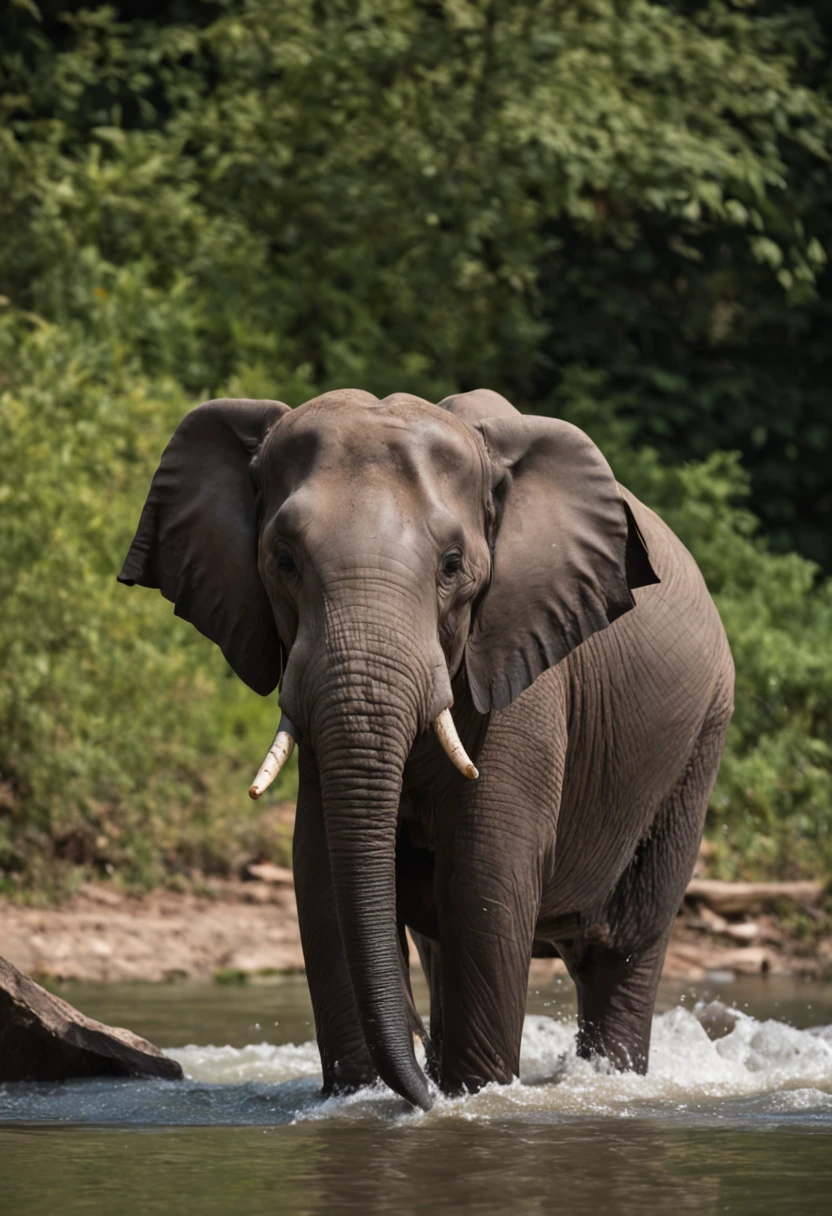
pixel 431 960
pixel 345 1059
pixel 616 994
pixel 617 977
pixel 488 896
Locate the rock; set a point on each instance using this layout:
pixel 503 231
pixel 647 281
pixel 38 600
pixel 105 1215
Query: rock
pixel 42 1038
pixel 716 1019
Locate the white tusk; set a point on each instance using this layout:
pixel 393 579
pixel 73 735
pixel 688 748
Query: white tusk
pixel 276 757
pixel 446 731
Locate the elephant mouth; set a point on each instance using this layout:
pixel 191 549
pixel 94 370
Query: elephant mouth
pixel 287 734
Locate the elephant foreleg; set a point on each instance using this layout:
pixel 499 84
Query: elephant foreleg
pixel 488 902
pixel 345 1059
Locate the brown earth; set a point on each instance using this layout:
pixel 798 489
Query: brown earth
pixel 251 927
pixel 102 934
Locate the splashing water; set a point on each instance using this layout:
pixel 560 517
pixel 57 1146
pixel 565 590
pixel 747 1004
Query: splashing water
pixel 759 1070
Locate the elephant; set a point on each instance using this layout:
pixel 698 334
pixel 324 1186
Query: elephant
pixel 385 562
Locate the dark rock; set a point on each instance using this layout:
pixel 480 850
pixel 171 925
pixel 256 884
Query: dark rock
pixel 716 1019
pixel 42 1038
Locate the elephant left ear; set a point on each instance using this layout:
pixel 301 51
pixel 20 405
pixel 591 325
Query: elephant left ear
pixel 567 555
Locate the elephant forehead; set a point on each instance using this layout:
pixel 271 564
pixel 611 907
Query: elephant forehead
pixel 402 436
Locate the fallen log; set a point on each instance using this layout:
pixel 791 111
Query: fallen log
pixel 42 1038
pixel 730 898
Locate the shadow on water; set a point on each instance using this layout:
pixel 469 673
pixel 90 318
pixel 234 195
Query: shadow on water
pixel 741 1125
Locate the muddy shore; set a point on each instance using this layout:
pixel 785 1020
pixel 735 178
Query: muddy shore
pixel 240 928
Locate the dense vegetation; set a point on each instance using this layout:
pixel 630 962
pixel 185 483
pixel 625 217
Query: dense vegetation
pixel 617 212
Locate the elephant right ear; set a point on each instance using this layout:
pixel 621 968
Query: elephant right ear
pixel 197 536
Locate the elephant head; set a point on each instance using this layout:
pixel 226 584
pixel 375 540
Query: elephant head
pixel 363 553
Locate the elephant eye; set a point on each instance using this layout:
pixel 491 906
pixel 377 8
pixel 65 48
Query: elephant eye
pixel 285 561
pixel 452 562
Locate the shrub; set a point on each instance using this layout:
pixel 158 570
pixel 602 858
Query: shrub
pixel 125 741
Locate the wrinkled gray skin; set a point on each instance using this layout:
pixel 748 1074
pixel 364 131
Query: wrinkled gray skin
pixel 400 557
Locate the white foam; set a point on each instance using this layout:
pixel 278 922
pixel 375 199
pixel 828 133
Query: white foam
pixel 766 1067
pixel 256 1062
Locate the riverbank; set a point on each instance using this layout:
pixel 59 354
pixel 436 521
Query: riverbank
pixel 229 930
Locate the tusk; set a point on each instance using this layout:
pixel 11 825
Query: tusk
pixel 276 757
pixel 446 731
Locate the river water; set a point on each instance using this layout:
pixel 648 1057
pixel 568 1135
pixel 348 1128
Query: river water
pixel 739 1125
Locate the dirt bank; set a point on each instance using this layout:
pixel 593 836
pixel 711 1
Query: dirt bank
pixel 102 934
pixel 252 927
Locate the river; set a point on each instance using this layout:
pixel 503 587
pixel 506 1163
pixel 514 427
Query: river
pixel 739 1125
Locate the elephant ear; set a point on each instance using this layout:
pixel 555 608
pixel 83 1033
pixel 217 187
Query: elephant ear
pixel 197 536
pixel 479 404
pixel 567 553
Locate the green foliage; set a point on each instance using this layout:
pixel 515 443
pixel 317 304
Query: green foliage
pixel 615 212
pixel 126 742
pixel 773 801
pixel 431 196
pixel 774 796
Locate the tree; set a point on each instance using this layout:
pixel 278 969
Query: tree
pixel 614 212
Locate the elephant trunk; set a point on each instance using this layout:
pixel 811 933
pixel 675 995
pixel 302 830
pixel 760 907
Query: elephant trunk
pixel 362 733
pixel 362 845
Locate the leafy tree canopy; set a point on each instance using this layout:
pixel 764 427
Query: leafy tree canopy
pixel 450 194
pixel 617 212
